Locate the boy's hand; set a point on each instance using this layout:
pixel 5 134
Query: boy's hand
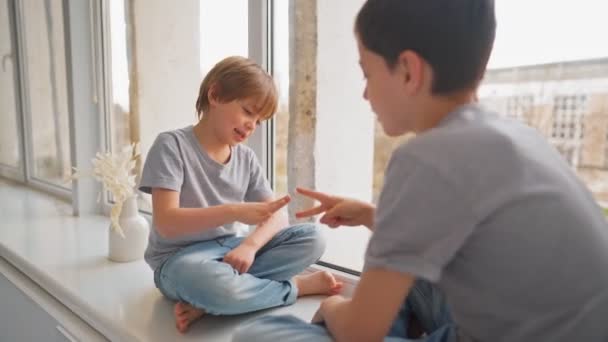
pixel 328 305
pixel 241 258
pixel 338 211
pixel 317 317
pixel 255 213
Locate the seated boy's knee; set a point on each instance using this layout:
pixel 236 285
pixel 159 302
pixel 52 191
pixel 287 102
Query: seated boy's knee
pixel 211 277
pixel 316 238
pixel 217 297
pixel 319 242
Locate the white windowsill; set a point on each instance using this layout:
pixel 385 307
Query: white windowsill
pixel 66 256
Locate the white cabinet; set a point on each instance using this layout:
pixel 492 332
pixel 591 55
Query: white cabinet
pixel 30 314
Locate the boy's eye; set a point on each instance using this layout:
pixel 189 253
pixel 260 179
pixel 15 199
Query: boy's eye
pixel 247 111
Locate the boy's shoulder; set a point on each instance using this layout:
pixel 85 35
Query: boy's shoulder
pixel 175 133
pixel 469 133
pixel 176 138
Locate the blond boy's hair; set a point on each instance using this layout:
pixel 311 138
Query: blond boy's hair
pixel 239 78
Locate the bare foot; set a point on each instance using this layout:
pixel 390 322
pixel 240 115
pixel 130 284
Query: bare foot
pixel 185 314
pixel 318 283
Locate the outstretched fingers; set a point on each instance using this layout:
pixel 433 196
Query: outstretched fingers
pixel 276 205
pixel 310 212
pixel 319 196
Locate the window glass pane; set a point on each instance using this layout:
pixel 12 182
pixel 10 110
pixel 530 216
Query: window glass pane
pixel 119 76
pixel 342 143
pixel 155 94
pixel 9 139
pixel 560 89
pixel 46 89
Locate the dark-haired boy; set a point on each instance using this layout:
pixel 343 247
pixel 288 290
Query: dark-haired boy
pixel 475 208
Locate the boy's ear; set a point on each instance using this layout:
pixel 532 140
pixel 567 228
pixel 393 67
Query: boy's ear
pixel 212 95
pixel 411 66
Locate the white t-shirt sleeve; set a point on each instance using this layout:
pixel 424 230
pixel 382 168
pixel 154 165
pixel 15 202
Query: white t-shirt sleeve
pixel 164 167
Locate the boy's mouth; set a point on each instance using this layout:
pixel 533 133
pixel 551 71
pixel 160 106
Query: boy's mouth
pixel 240 134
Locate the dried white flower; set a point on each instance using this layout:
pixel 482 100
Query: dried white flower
pixel 116 172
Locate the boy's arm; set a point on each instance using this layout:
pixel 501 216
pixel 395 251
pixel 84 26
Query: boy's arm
pixel 259 190
pixel 370 313
pixel 266 230
pixel 173 221
pixel 241 258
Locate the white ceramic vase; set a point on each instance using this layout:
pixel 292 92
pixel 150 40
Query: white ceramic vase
pixel 135 227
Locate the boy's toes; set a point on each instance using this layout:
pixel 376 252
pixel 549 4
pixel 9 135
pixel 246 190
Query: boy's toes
pixel 336 288
pixel 181 327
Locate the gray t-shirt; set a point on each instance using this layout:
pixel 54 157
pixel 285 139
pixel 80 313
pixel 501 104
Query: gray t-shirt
pixel 177 162
pixel 486 209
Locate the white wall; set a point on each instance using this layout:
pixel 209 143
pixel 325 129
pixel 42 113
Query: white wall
pixel 224 29
pixel 168 70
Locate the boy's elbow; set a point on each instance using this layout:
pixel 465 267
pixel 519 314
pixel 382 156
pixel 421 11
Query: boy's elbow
pixel 164 232
pixel 162 226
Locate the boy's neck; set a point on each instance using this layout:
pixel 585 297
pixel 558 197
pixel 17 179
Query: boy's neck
pixel 438 107
pixel 210 142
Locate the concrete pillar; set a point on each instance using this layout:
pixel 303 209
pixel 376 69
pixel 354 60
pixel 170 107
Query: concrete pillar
pixel 301 159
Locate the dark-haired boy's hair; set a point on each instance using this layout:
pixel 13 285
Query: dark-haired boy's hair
pixel 454 36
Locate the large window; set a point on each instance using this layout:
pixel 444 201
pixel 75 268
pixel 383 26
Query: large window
pixel 552 76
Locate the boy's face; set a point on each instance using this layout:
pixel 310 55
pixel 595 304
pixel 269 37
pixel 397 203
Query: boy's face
pixel 390 93
pixel 235 120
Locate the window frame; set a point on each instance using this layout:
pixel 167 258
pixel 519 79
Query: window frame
pixel 9 171
pixel 260 45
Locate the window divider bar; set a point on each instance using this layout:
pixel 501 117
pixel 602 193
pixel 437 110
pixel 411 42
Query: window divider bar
pixel 85 115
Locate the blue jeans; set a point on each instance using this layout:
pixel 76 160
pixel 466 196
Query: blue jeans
pixel 197 275
pixel 425 301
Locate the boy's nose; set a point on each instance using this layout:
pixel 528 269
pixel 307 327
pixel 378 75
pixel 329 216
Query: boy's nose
pixel 365 93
